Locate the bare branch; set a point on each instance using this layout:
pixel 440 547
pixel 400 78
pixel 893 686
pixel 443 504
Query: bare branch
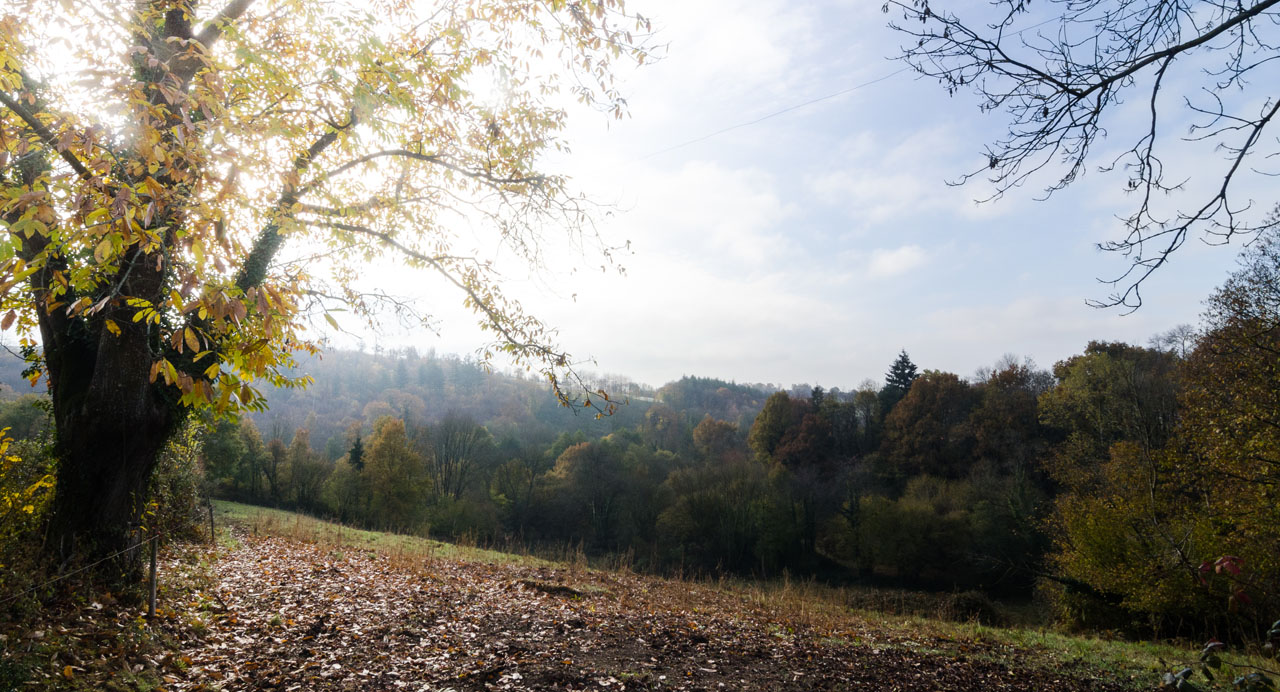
pixel 48 138
pixel 483 176
pixel 212 30
pixel 437 262
pixel 269 240
pixel 1057 89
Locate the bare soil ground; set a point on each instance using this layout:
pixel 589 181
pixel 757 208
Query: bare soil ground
pixel 286 614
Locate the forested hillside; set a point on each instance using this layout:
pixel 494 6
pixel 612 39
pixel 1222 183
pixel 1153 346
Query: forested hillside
pixel 353 390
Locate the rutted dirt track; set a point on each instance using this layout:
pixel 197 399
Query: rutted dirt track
pixel 297 616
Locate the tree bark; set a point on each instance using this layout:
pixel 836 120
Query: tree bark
pixel 111 423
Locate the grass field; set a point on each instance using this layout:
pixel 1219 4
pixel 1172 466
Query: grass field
pixel 256 607
pixel 809 604
pixel 280 522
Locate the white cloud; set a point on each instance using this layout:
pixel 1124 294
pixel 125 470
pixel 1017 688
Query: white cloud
pixel 714 50
pixel 960 338
pixel 730 219
pixel 887 263
pixel 876 183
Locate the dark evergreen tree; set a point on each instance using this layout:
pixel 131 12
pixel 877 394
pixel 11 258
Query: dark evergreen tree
pixel 897 382
pixel 816 397
pixel 355 456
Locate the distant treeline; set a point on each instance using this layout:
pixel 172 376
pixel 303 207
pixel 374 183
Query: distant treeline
pixel 352 390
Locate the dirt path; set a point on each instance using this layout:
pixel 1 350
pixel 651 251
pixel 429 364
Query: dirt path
pixel 295 616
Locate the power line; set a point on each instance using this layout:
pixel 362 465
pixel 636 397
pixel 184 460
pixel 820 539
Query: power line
pixel 820 99
pixel 775 114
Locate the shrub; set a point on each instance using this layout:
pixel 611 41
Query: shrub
pixel 972 606
pixel 175 508
pixel 26 489
pixel 474 519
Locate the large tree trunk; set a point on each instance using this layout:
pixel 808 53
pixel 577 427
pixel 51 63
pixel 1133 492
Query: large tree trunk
pixel 112 423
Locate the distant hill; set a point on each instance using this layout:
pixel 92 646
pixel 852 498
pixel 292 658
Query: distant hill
pixel 700 396
pixel 352 387
pixel 358 388
pixel 12 383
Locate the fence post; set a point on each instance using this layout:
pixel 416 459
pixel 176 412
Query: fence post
pixel 212 537
pixel 151 607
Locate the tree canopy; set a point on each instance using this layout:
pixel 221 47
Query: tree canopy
pixel 171 170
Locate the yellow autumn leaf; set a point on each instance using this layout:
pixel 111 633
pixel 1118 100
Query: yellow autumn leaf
pixel 113 327
pixel 189 335
pixel 103 251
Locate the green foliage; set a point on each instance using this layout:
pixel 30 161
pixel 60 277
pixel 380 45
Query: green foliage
pixel 970 533
pixel 1168 509
pixel 716 517
pixel 397 478
pixel 27 470
pixel 471 519
pixel 727 401
pixel 902 373
pixel 512 492
pixel 1231 431
pixel 27 477
pixel 665 428
pixel 223 449
pixel 355 456
pixel 177 499
pixel 1112 392
pixel 1121 531
pixel 26 482
pixel 928 431
pixel 779 414
pixel 589 478
pixel 355 388
pixel 26 417
pixel 912 538
pixel 305 472
pixel 345 493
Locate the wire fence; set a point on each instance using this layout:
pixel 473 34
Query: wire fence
pixel 152 540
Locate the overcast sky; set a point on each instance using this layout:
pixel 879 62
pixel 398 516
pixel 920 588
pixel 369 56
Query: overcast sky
pixel 813 246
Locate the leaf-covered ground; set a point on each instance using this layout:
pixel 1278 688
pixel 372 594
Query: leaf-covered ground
pixel 285 614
